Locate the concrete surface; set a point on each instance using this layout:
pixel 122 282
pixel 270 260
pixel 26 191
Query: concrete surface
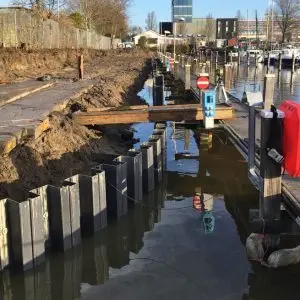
pixel 28 112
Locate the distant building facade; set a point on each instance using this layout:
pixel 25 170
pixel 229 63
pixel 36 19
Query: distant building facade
pixel 206 27
pixel 226 28
pixel 248 30
pixel 182 9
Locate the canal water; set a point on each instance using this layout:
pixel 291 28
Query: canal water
pixel 164 248
pixel 251 79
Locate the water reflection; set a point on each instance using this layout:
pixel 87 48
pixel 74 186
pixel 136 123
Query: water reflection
pixel 168 238
pixel 251 79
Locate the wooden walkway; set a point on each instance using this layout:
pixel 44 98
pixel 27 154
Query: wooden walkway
pixel 239 126
pixel 144 114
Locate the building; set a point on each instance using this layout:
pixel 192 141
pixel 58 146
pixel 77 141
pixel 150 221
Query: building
pixel 226 29
pixel 204 27
pixel 155 39
pixel 165 28
pixel 251 30
pixel 182 9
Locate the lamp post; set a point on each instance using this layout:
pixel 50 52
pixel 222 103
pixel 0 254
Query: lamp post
pixel 174 33
pixel 166 32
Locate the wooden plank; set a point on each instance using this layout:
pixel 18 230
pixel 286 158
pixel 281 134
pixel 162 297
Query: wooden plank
pixel 151 114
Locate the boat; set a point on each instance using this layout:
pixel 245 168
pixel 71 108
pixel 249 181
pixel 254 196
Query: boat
pixel 288 54
pixel 274 56
pixel 254 54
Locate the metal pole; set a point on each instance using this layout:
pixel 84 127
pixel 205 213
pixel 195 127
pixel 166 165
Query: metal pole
pixel 174 35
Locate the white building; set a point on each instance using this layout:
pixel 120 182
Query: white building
pixel 155 39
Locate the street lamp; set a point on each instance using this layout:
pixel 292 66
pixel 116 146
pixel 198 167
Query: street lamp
pixel 174 33
pixel 166 32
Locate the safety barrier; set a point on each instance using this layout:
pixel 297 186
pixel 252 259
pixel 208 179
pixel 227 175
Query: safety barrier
pixel 56 217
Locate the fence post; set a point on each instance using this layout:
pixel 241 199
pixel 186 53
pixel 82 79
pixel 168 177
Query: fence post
pixel 80 67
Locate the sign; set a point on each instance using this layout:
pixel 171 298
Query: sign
pixel 202 83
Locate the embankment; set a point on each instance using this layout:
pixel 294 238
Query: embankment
pixel 67 148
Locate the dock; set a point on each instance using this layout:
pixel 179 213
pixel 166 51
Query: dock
pixel 238 129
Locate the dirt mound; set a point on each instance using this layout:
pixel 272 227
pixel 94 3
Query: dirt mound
pixel 18 64
pixel 67 148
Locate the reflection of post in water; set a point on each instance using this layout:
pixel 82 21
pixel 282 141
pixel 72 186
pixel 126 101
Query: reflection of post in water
pixel 204 203
pixel 5 286
pixel 29 285
pixel 117 243
pixel 66 270
pixel 292 83
pixel 136 228
pixel 95 269
pixel 187 136
pixel 277 285
pixel 206 141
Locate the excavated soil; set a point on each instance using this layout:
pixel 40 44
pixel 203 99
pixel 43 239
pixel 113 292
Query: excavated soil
pixel 66 148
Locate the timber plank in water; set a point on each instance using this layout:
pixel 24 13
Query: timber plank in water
pixel 186 112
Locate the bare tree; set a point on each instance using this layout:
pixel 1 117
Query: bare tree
pixel 44 7
pixel 107 17
pixel 209 27
pixel 151 22
pixel 287 14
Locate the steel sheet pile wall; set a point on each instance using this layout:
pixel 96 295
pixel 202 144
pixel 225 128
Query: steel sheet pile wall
pixel 55 217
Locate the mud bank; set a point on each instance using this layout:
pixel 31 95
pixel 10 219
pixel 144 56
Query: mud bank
pixel 66 148
pixel 18 64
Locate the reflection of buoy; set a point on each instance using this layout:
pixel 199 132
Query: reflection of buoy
pixel 197 203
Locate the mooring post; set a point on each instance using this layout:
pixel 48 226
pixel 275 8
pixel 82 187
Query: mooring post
pixel 176 70
pixel 80 67
pixel 248 59
pixel 269 62
pixel 280 61
pixel 294 63
pixel 182 61
pixel 270 171
pixel 158 97
pixel 269 86
pixel 187 77
pixel 227 76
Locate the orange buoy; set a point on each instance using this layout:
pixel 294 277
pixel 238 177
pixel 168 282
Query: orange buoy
pixel 291 137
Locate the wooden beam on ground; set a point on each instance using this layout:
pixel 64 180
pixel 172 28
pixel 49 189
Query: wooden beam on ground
pixel 186 112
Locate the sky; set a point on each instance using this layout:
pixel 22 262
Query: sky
pixel 219 8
